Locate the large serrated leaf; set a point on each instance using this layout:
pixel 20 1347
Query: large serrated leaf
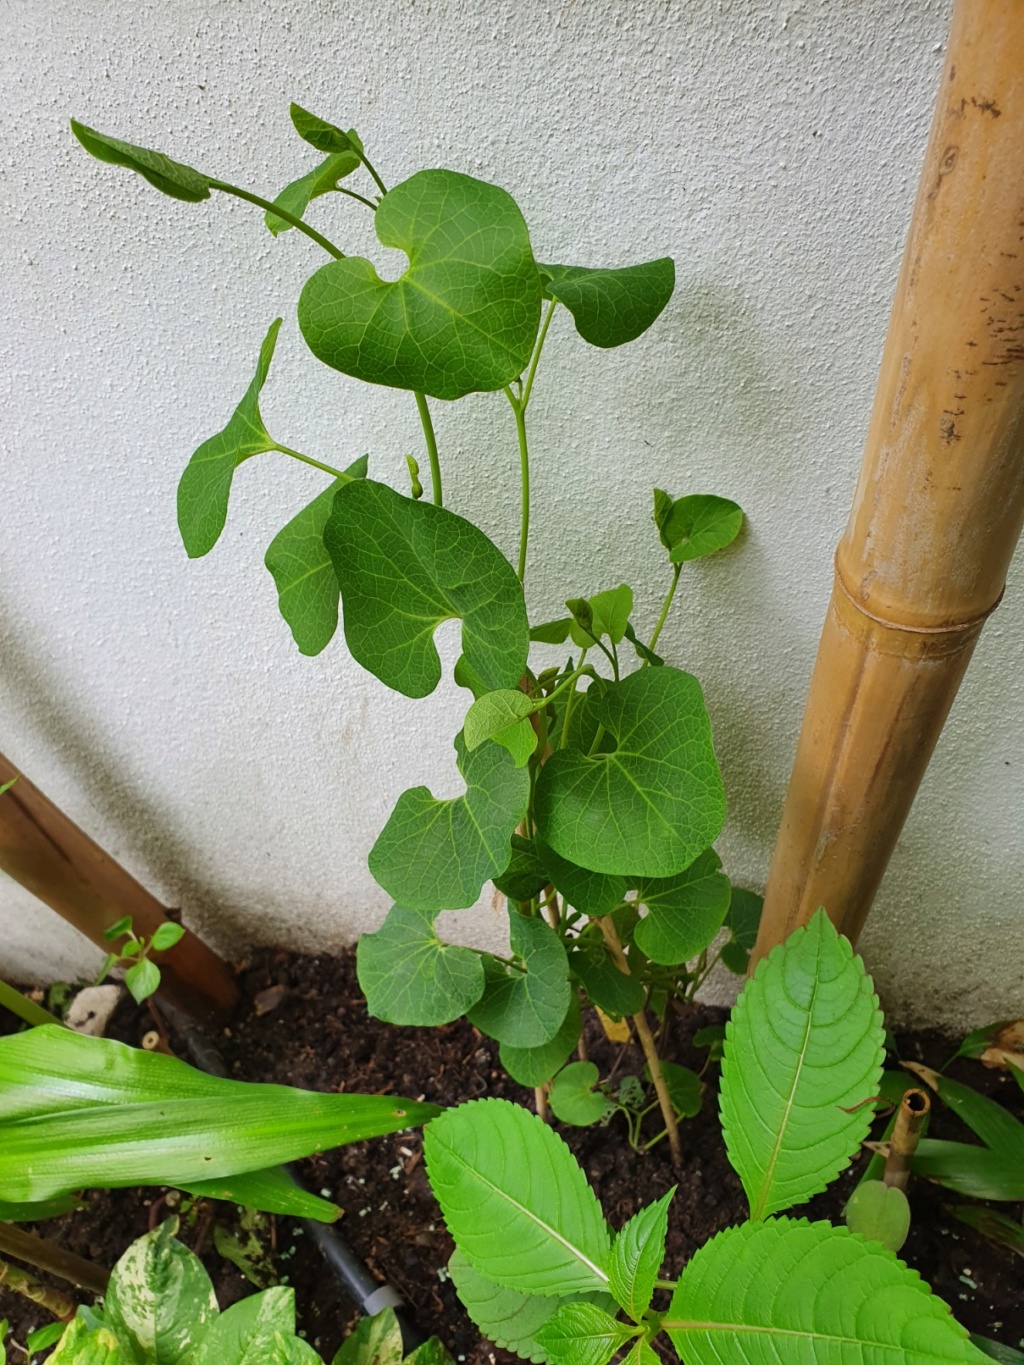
pixel 159 1300
pixel 404 567
pixel 526 1008
pixel 611 307
pixel 436 855
pixel 803 1051
pixel 684 913
pixel 462 317
pixel 637 1254
pixel 789 1292
pixel 648 808
pixel 409 976
pixel 515 1200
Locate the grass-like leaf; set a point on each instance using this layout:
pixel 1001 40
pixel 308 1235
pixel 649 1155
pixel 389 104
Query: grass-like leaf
pixel 526 1008
pixel 404 567
pixel 996 1126
pixel 516 1201
pixel 991 1224
pixel 637 1254
pixel 791 1292
pixel 462 317
pixel 272 1190
pixel 436 855
pixel 685 912
pixel 611 307
pixel 968 1169
pixel 653 804
pixel 170 177
pixel 803 1047
pixel 409 976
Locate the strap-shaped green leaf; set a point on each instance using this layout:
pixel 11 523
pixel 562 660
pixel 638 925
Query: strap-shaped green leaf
pixel 526 1008
pixel 272 1190
pixel 790 1292
pixel 463 316
pixel 82 1111
pixel 516 1201
pixel 803 1051
pixel 611 307
pixel 205 486
pixel 160 1300
pixel 404 567
pixel 995 1125
pixel 695 526
pixel 648 808
pixel 436 855
pixel 170 177
pixel 307 586
pixel 533 1066
pixel 409 976
pixel 582 1334
pixel 298 194
pixel 637 1254
pixel 684 913
pixel 976 1171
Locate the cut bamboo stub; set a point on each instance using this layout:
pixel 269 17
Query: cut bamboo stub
pixel 914 1108
pixel 940 502
pixel 51 857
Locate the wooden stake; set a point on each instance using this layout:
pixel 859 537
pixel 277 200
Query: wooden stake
pixel 51 1257
pixel 940 502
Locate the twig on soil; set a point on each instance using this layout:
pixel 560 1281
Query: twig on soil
pixel 53 1300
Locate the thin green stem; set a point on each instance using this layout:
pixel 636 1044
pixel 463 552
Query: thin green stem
pixel 664 610
pixel 564 736
pixel 537 350
pixel 268 207
pixel 596 741
pixel 366 162
pixel 665 1284
pixel 565 683
pixel 431 440
pixel 308 459
pixel 519 408
pixel 24 1008
pixel 352 194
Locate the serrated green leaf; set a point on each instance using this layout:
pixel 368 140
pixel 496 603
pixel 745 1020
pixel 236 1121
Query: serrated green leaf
pixel 641 1353
pixel 684 913
pixel 608 987
pixel 462 317
pixel 81 1111
pixel 611 307
pixel 995 1125
pixel 791 1292
pixel 526 1008
pixel 582 1334
pixel 695 526
pixel 592 893
pixel 436 855
pixel 495 712
pixel 83 1345
pixel 515 1200
pixel 307 586
pixel 525 875
pixel 975 1171
pixel 205 487
pixel 324 136
pixel 376 1340
pixel 653 804
pixel 159 1300
pixel 406 566
pixel 170 177
pixel 245 1333
pixel 637 1254
pixel 271 1190
pixel 298 194
pixel 804 1046
pixel 604 614
pixel 533 1066
pixel 573 1098
pixel 409 976
pixel 879 1212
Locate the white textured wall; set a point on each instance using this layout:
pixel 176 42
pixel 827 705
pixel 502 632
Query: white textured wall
pixel 771 148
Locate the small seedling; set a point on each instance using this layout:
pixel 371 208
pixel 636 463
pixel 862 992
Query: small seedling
pixel 141 973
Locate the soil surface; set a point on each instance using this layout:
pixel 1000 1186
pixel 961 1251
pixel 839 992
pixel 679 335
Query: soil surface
pixel 304 1022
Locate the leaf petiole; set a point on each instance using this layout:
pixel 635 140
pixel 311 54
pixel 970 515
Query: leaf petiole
pixel 525 393
pixel 664 611
pixel 431 440
pixel 279 212
pixel 317 464
pixel 519 408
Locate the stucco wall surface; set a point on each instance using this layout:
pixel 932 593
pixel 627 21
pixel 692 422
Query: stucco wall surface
pixel 771 148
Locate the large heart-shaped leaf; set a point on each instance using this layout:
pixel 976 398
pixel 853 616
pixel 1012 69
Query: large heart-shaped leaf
pixel 791 1292
pixel 404 567
pixel 436 855
pixel 684 913
pixel 516 1201
pixel 592 893
pixel 409 976
pixel 608 987
pixel 803 1052
pixel 532 1066
pixel 307 586
pixel 526 1008
pixel 652 805
pixel 611 307
pixel 464 314
pixel 160 1299
pixel 205 487
pixel 170 177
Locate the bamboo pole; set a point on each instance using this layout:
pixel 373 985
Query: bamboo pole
pixel 51 857
pixel 940 501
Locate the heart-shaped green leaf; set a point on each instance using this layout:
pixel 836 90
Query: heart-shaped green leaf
pixel 436 855
pixel 526 1008
pixel 592 893
pixel 205 486
pixel 244 1333
pixel 409 976
pixel 697 525
pixel 743 919
pixel 879 1212
pixel 495 711
pixel 652 805
pixel 525 874
pixel 608 987
pixel 533 1066
pixel 684 913
pixel 637 1254
pixel 404 567
pixel 573 1096
pixel 170 177
pixel 297 195
pixel 611 307
pixel 463 316
pixel 307 586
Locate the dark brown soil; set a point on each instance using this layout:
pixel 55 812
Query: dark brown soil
pixel 317 1034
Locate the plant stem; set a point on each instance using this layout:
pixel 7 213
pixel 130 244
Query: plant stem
pixel 563 737
pixel 431 440
pixel 647 1043
pixel 525 396
pixel 308 459
pixel 664 611
pixel 24 1008
pixel 519 408
pixel 48 1256
pixel 268 207
pixel 665 1284
pixel 353 195
pixel 540 1095
pixel 366 162
pixel 21 1282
